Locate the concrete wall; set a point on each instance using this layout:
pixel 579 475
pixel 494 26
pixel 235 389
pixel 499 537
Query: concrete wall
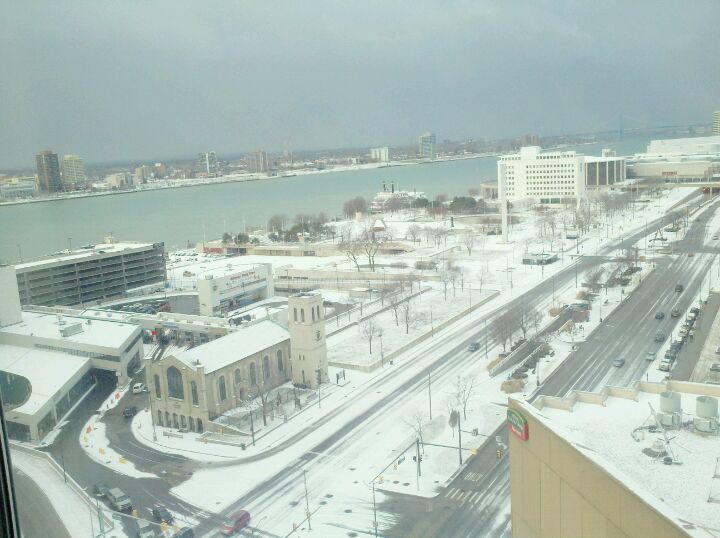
pixel 557 492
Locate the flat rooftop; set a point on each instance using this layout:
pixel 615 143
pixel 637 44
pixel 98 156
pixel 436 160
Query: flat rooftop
pixel 89 251
pixel 101 333
pixel 47 372
pixel 232 347
pixel 607 433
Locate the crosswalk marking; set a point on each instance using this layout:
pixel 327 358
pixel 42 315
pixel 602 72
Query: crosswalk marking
pixel 473 477
pixel 463 496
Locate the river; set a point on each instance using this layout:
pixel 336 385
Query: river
pixel 179 215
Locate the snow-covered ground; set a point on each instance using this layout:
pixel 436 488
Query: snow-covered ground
pixel 339 478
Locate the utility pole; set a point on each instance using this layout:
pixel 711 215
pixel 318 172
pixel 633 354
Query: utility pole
pixel 307 503
pixel 459 439
pixel 252 428
pixel 429 396
pixel 374 511
pixel 417 449
pixel 486 340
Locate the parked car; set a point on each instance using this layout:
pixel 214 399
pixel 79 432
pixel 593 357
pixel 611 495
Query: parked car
pixel 474 346
pixel 100 489
pixel 675 313
pixel 715 367
pixel 129 411
pixel 160 513
pixel 695 310
pixel 235 522
pixel 650 355
pixel 118 500
pixel 139 388
pixel 617 363
pixel 679 288
pixel 716 236
pixel 664 365
pixel 185 532
pixel 659 315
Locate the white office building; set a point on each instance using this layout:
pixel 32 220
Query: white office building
pixel 716 123
pixel 208 163
pixel 381 155
pixel 73 169
pixel 679 160
pixel 556 177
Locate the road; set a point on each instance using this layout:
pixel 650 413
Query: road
pixel 446 366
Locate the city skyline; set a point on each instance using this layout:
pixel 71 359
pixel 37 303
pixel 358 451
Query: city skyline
pixel 427 81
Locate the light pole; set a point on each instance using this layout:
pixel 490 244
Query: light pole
pixel 375 523
pixel 307 503
pixel 429 396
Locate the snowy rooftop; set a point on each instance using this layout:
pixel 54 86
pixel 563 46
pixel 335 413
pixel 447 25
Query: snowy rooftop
pixel 607 433
pixel 109 334
pixel 85 252
pixel 234 346
pixel 47 372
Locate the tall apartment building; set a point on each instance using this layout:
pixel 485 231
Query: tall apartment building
pixel 142 173
pixel 48 169
pixel 716 123
pixel 73 169
pixel 426 146
pixel 91 274
pixel 208 163
pixel 257 162
pixel 556 177
pixel 381 155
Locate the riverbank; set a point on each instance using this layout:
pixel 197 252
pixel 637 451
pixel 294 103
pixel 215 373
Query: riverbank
pixel 241 178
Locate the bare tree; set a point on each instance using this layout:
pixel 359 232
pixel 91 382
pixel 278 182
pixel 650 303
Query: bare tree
pixel 413 232
pixel 482 276
pixel 453 417
pixel 354 205
pixel 406 313
pixel 503 327
pixel 468 240
pixel 395 305
pixel 593 277
pixel 352 250
pixel 416 423
pixel 370 244
pixel 462 390
pixel 524 316
pixel 536 319
pixel 370 329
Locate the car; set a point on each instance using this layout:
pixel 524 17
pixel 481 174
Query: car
pixel 690 254
pixel 185 532
pixel 474 346
pixel 119 501
pixel 160 514
pixel 659 336
pixel 650 355
pixel 679 288
pixel 235 522
pixel 659 315
pixel 617 363
pixel 145 529
pixel 717 350
pixel 139 388
pixel 129 411
pixel 100 489
pixel 716 236
pixel 664 366
pixel 675 313
pixel 695 310
pixel 715 367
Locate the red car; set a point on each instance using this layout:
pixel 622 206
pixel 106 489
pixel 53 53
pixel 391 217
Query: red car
pixel 690 254
pixel 235 522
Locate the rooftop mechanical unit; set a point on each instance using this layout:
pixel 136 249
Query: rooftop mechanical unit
pixel 706 420
pixel 670 415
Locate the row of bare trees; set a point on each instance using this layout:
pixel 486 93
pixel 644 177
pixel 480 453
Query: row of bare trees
pixel 517 317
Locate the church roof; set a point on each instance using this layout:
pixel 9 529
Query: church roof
pixel 235 346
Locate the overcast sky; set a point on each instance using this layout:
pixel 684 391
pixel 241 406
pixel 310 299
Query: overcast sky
pixel 150 80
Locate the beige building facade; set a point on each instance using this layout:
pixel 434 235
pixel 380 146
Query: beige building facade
pixel 564 489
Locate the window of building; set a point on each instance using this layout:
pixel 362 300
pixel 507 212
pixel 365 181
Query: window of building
pixel 175 383
pixel 266 367
pixel 222 390
pixel 294 314
pixel 302 315
pixel 279 360
pixel 312 313
pixel 253 374
pixel 160 418
pixel 158 394
pixel 183 422
pixel 237 376
pixel 194 392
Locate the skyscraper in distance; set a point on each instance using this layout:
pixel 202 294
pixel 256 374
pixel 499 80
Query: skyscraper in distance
pixel 48 169
pixel 73 169
pixel 716 123
pixel 257 162
pixel 208 162
pixel 426 146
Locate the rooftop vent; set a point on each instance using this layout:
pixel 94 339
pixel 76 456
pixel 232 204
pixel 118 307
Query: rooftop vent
pixel 69 330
